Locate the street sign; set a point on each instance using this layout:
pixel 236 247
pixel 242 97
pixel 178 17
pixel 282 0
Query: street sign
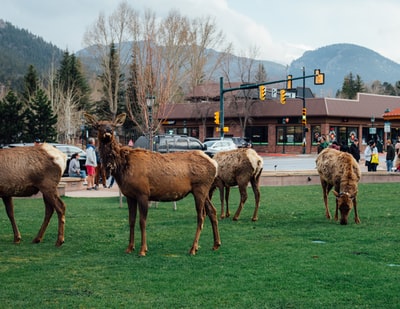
pixel 387 127
pixel 274 92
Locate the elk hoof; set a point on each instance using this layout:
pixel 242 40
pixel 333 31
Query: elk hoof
pixel 129 249
pixel 216 246
pixel 38 240
pixel 59 243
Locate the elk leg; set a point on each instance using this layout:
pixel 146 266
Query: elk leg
pixel 200 202
pixel 256 190
pixel 356 218
pixel 143 208
pixel 48 213
pixel 212 215
pixel 9 205
pixel 132 208
pixel 221 198
pixel 325 191
pixel 227 192
pixel 54 202
pixel 243 198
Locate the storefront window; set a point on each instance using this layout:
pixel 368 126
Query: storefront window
pixel 289 135
pixel 257 134
pixel 316 134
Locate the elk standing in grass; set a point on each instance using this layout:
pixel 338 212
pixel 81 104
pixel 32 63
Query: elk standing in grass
pixel 25 171
pixel 238 167
pixel 144 176
pixel 339 170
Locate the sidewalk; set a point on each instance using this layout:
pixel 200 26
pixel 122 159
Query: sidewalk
pixel 114 191
pixel 102 192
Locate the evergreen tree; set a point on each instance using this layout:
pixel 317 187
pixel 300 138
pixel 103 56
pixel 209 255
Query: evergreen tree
pixel 71 81
pixel 351 87
pixel 113 99
pixel 31 84
pixel 40 119
pixel 12 119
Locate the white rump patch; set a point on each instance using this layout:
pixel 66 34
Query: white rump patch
pixel 255 160
pixel 59 157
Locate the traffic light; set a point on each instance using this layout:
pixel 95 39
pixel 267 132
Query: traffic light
pixel 289 82
pixel 216 117
pixel 319 78
pixel 282 93
pixel 304 116
pixel 263 93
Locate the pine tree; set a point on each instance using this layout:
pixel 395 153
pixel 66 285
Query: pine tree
pixel 40 119
pixel 31 84
pixel 12 119
pixel 112 101
pixel 351 87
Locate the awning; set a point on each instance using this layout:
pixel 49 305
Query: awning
pixel 392 115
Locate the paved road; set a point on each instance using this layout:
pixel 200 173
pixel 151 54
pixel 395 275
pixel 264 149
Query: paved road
pixel 289 162
pixel 276 162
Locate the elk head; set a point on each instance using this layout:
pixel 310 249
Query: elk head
pixel 345 203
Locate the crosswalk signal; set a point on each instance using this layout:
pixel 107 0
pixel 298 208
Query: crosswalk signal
pixel 282 93
pixel 319 78
pixel 262 92
pixel 216 117
pixel 289 82
pixel 304 116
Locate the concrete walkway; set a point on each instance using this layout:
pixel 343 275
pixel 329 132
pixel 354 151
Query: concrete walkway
pixel 270 178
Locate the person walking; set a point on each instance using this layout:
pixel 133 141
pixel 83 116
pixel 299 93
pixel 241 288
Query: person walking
pixel 355 150
pixel 91 163
pixel 390 154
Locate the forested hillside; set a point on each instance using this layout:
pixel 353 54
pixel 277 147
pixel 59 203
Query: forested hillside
pixel 18 49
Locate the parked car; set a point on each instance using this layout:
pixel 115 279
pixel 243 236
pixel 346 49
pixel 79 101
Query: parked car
pixel 215 146
pixel 170 143
pixel 242 142
pixel 69 150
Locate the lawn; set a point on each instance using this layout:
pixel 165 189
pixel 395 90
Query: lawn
pixel 292 257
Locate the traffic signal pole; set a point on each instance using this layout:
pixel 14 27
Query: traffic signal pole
pixel 319 79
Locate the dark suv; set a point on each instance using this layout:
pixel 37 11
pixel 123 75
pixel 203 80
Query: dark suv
pixel 171 143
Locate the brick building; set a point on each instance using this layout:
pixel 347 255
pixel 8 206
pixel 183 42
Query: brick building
pixel 277 128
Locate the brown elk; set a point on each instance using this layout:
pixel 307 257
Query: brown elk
pixel 26 171
pixel 339 170
pixel 144 176
pixel 238 167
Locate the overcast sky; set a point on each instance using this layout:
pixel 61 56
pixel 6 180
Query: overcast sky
pixel 281 30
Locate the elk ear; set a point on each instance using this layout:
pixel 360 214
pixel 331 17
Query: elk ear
pixel 90 119
pixel 120 119
pixel 336 194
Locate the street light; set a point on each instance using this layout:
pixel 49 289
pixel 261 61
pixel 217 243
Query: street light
pixel 150 103
pixel 372 130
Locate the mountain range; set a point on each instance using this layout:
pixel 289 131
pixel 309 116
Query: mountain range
pixel 336 61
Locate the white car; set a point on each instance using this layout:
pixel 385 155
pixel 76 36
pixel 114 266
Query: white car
pixel 215 146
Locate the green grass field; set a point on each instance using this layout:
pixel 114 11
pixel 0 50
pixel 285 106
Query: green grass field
pixel 292 257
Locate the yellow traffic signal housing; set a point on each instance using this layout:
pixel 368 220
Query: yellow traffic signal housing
pixel 282 93
pixel 304 116
pixel 319 78
pixel 263 92
pixel 216 117
pixel 289 82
